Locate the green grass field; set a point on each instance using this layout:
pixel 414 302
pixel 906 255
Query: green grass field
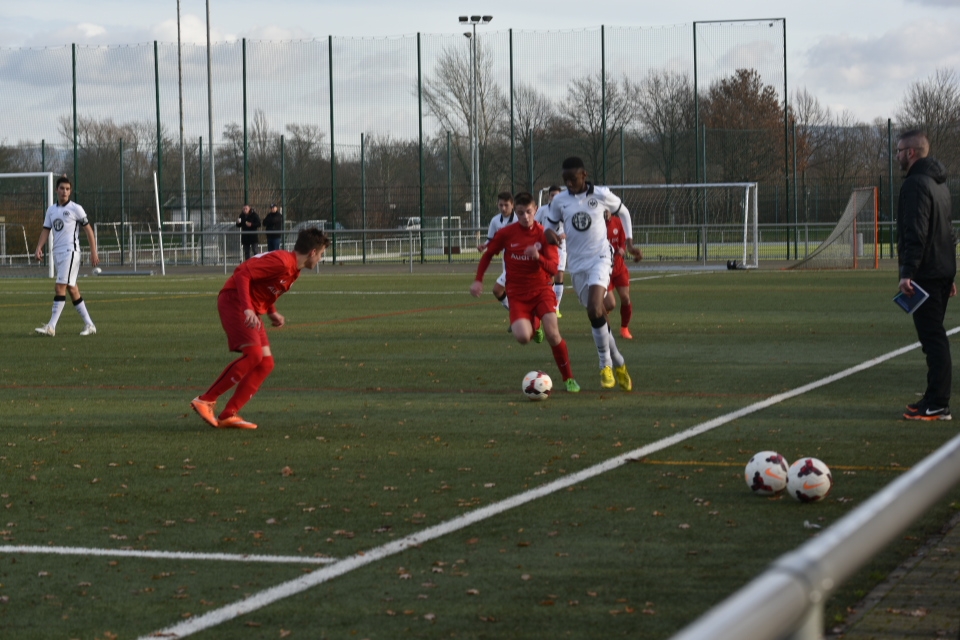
pixel 394 407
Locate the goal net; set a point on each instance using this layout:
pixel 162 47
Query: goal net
pixel 24 199
pixel 694 223
pixel 854 242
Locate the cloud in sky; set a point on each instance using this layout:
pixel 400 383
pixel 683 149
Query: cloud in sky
pixel 950 4
pixel 878 69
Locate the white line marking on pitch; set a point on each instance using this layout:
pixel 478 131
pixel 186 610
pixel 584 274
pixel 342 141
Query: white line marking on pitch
pixel 165 555
pixel 341 567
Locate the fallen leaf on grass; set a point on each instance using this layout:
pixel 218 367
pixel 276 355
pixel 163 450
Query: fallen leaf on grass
pixel 916 613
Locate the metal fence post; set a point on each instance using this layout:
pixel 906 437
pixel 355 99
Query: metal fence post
pixel 156 77
pixel 76 165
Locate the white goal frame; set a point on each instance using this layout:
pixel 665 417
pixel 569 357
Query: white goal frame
pixel 748 223
pixel 49 178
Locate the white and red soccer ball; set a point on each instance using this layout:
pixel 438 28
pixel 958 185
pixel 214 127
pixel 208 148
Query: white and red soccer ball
pixel 537 385
pixel 809 480
pixel 766 473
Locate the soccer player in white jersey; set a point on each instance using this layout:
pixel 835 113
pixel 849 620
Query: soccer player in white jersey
pixel 504 217
pixel 65 219
pixel 579 212
pixel 542 212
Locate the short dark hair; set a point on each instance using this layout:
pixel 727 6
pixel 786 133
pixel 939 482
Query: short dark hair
pixel 523 199
pixel 506 196
pixel 554 189
pixel 63 180
pixel 309 239
pixel 573 162
pixel 918 141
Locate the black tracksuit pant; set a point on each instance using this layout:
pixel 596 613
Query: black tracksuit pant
pixel 928 319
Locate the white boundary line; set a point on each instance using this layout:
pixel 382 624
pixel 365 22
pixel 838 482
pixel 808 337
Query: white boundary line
pixel 341 567
pixel 165 555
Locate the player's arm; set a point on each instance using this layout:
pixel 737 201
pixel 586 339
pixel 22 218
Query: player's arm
pixel 493 247
pixel 551 227
pixel 92 239
pixel 44 235
pixel 546 254
pixel 621 210
pixel 243 279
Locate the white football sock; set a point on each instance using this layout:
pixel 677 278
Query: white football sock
pixel 81 308
pixel 602 337
pixel 55 313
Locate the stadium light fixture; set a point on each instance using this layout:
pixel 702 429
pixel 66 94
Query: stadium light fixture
pixel 473 21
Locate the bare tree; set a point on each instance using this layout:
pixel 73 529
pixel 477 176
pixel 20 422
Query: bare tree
pixel 665 113
pixel 447 94
pixel 591 110
pixel 533 115
pixel 933 104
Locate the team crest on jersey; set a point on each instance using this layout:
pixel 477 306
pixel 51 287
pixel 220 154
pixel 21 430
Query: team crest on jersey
pixel 592 202
pixel 581 221
pixel 58 225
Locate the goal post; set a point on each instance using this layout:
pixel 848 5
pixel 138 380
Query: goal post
pixel 854 243
pixel 702 223
pixel 49 200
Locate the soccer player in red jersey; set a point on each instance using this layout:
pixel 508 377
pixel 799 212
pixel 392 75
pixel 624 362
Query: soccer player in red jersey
pixel 620 276
pixel 249 293
pixel 530 266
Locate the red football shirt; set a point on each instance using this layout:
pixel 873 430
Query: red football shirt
pixel 262 279
pixel 525 277
pixel 618 240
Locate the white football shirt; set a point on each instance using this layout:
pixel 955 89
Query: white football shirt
pixel 580 216
pixel 499 222
pixel 64 224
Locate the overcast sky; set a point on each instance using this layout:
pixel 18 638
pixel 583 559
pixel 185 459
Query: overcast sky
pixel 852 54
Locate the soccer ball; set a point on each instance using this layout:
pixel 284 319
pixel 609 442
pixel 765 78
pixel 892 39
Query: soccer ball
pixel 766 473
pixel 537 385
pixel 809 480
pixel 97 270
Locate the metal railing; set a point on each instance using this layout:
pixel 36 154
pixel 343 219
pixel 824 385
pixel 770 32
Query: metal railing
pixel 787 600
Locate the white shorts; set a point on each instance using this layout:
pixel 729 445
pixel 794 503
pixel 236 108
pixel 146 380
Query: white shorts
pixel 502 280
pixel 562 252
pixel 598 275
pixel 67 266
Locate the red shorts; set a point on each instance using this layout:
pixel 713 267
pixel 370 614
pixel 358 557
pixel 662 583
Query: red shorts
pixel 620 276
pixel 541 305
pixel 232 318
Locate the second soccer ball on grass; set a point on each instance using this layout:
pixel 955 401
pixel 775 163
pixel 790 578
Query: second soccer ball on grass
pixel 766 473
pixel 809 480
pixel 537 385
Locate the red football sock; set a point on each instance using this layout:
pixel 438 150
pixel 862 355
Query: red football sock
pixel 536 322
pixel 562 357
pixel 626 312
pixel 248 387
pixel 234 373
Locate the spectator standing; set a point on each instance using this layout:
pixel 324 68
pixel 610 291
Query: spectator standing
pixel 273 226
pixel 249 225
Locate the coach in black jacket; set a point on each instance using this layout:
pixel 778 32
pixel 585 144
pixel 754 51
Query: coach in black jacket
pixel 926 249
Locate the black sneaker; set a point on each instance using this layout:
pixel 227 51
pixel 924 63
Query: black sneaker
pixel 924 411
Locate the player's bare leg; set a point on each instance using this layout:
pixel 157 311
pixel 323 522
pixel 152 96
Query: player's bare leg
pixel 522 330
pixel 626 312
pixel 560 353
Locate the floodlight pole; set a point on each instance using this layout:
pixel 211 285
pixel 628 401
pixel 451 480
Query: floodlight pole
pixel 183 151
pixel 213 173
pixel 473 21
